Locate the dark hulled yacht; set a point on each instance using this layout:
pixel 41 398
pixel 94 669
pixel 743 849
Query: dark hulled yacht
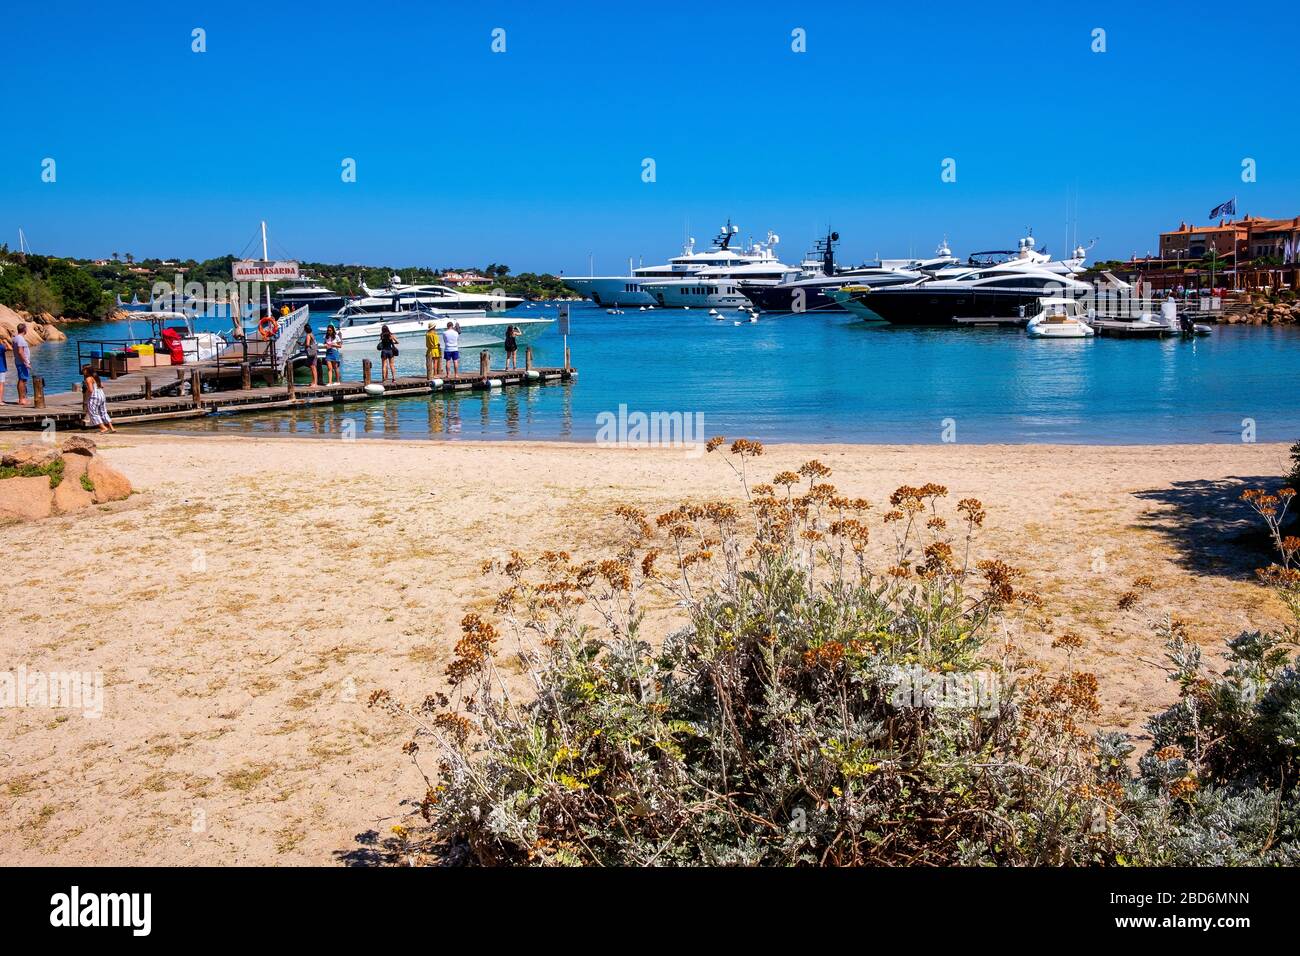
pixel 1008 290
pixel 808 292
pixel 308 292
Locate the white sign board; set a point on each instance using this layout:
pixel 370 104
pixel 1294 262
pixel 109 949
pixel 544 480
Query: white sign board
pixel 257 270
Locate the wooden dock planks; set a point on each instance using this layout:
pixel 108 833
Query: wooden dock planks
pixel 127 401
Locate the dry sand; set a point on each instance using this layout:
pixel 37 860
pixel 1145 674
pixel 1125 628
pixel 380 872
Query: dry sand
pixel 246 603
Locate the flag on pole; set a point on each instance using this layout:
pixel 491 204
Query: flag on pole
pixel 1228 208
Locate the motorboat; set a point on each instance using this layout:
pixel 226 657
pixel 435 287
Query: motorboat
pixel 399 296
pixel 477 328
pixel 309 292
pixel 1060 319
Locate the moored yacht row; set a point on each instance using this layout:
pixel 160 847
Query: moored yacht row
pixel 397 295
pixel 934 290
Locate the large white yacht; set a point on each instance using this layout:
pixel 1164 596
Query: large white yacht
pixel 665 284
pixel 477 328
pixel 399 295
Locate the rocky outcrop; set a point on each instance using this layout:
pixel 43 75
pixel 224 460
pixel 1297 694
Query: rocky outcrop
pixel 1263 312
pixel 26 499
pixel 57 480
pixel 78 445
pixel 109 483
pixel 31 455
pixel 40 328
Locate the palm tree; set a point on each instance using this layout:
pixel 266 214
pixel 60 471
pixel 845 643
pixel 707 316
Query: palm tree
pixel 115 257
pixel 129 258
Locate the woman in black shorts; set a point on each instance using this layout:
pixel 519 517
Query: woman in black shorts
pixel 512 347
pixel 387 352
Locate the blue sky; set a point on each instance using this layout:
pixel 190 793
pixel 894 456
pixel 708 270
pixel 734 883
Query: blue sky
pixel 533 157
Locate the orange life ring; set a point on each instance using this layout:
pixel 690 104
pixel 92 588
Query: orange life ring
pixel 268 327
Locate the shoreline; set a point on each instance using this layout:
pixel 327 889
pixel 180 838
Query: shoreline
pixel 127 430
pixel 243 607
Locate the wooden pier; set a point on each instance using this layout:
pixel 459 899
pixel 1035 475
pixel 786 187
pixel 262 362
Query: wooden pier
pixel 165 393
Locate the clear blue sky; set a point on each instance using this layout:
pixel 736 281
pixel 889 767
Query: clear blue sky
pixel 533 157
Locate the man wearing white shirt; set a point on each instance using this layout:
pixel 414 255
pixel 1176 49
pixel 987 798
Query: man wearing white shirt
pixel 451 349
pixel 22 360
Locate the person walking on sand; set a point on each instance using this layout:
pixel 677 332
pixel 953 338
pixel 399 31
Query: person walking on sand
pixel 512 347
pixel 4 370
pixel 432 352
pixel 332 356
pixel 96 400
pixel 451 348
pixel 22 361
pixel 309 346
pixel 387 347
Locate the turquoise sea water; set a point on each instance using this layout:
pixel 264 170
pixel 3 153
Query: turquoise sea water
pixel 826 378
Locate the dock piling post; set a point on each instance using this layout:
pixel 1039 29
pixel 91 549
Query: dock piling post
pixel 148 387
pixel 196 388
pixel 245 376
pixel 38 392
pixel 484 364
pixel 528 359
pixel 288 380
pixel 567 365
pixel 365 371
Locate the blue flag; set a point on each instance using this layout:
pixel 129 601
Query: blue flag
pixel 1228 208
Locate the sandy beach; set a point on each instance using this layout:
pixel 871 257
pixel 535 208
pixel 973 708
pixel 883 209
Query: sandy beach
pixel 246 602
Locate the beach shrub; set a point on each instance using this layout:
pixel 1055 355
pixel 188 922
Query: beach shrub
pixel 52 470
pixel 816 709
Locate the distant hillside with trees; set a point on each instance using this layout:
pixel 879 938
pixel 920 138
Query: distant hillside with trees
pixel 88 288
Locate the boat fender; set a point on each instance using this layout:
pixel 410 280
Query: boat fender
pixel 494 383
pixel 436 382
pixel 374 388
pixel 532 374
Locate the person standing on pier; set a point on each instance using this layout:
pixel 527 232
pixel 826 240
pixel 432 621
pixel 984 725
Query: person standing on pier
pixel 451 349
pixel 512 347
pixel 309 345
pixel 4 371
pixel 332 356
pixel 387 352
pixel 22 361
pixel 432 352
pixel 96 400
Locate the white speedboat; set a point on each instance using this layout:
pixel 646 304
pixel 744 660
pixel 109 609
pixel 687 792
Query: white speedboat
pixel 399 295
pixel 477 328
pixel 1060 319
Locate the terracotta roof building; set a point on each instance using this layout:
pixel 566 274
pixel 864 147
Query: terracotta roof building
pixel 1251 237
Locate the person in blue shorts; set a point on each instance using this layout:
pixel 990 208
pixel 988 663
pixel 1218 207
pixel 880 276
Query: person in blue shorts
pixel 22 361
pixel 333 355
pixel 451 349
